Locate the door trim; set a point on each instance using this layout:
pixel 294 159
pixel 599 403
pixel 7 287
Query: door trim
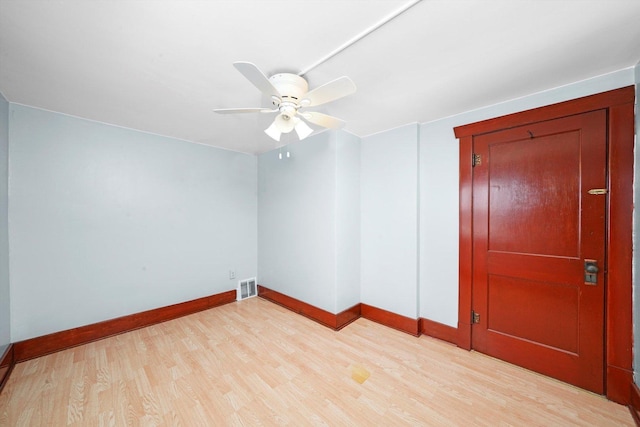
pixel 619 105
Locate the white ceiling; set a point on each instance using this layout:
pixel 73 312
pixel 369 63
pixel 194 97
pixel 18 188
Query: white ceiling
pixel 162 66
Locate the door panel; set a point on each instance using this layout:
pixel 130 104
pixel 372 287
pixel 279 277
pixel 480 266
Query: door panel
pixel 547 180
pixel 535 223
pixel 560 302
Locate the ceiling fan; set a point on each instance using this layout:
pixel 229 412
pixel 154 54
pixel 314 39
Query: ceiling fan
pixel 290 94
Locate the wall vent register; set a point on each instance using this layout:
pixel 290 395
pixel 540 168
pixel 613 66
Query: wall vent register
pixel 246 289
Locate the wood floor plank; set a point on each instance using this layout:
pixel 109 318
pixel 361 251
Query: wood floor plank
pixel 256 363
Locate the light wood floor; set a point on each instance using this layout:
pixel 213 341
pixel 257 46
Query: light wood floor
pixel 255 363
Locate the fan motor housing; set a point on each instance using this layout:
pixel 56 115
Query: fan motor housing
pixel 292 87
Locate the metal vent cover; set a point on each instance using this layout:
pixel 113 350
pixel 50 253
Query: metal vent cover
pixel 247 288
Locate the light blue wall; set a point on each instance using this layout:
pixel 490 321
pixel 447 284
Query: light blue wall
pixel 107 221
pixel 297 221
pixel 389 220
pixel 439 166
pixel 347 221
pixel 307 243
pixel 5 317
pixel 408 222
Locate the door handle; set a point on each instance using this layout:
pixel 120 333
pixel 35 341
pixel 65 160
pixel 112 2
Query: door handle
pixel 591 272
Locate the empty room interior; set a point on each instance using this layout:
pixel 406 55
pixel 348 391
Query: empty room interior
pixel 394 212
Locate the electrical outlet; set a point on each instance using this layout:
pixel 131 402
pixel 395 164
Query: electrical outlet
pixel 232 274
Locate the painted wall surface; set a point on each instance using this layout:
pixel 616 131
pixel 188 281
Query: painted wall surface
pixel 347 221
pixel 297 221
pixel 5 318
pixel 309 220
pixel 389 220
pixel 107 221
pixel 439 166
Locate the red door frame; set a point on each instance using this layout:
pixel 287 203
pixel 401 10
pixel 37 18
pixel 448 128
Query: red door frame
pixel 619 104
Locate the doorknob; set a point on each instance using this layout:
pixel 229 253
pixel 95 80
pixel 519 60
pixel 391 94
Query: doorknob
pixel 591 272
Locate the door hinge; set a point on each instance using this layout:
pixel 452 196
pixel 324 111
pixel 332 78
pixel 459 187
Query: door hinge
pixel 475 317
pixel 476 160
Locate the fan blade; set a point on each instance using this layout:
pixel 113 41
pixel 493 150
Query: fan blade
pixel 323 120
pixel 244 110
pixel 257 77
pixel 328 92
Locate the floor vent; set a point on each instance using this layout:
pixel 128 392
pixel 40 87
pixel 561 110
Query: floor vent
pixel 246 289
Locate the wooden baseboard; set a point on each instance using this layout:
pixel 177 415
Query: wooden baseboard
pixel 46 344
pixel 464 336
pixel 340 320
pixel 634 404
pixel 619 383
pixel 333 321
pixel 390 319
pixel 439 330
pixel 7 362
pixel 347 316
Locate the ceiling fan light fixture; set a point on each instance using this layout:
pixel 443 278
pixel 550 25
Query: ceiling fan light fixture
pixel 288 93
pixel 285 122
pixel 303 130
pixel 273 131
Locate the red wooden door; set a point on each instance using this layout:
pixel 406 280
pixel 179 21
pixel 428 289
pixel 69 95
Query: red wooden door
pixel 535 223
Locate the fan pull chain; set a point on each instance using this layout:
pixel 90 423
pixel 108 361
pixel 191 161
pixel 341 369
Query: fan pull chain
pixel 288 154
